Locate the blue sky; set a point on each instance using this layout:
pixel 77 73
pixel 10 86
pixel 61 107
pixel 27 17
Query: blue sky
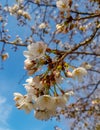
pixel 10 117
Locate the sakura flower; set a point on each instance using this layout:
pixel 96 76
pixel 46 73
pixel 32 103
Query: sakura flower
pixel 60 101
pixel 27 106
pixel 44 114
pixel 13 9
pixel 18 97
pixel 23 102
pixel 30 81
pixel 20 12
pixel 29 65
pixel 4 56
pixel 69 74
pixel 31 90
pixel 45 102
pixel 79 73
pixel 42 25
pixel 26 15
pixel 86 65
pixel 63 5
pixel 45 107
pixel 38 83
pixel 35 50
pixel 61 28
pixel 34 87
pixel 70 93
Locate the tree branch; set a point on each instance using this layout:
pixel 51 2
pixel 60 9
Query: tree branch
pixel 86 42
pixel 87 17
pixel 94 89
pixel 86 53
pixel 12 43
pixel 53 5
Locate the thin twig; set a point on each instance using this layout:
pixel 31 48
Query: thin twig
pixel 12 43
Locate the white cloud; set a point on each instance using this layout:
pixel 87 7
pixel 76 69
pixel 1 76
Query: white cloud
pixel 5 110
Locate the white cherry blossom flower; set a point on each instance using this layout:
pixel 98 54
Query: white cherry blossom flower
pixel 38 83
pixel 86 65
pixel 26 15
pixel 31 91
pixel 4 56
pixel 60 27
pixel 13 9
pixel 35 50
pixel 34 82
pixel 23 102
pixel 42 114
pixel 79 73
pixel 70 93
pixel 63 5
pixel 69 74
pixel 45 102
pixel 28 64
pixel 33 87
pixel 27 106
pixel 30 81
pixel 60 101
pixel 20 12
pixel 43 25
pixel 18 97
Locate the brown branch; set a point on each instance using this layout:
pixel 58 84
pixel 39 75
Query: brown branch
pixel 38 4
pixel 83 13
pixel 94 70
pixel 53 5
pixel 12 43
pixel 86 53
pixel 80 88
pixel 87 17
pixel 94 89
pixel 89 95
pixel 60 52
pixel 86 42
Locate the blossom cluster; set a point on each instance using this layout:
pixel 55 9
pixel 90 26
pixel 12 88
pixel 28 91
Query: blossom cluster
pixel 18 11
pixel 44 106
pixel 44 94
